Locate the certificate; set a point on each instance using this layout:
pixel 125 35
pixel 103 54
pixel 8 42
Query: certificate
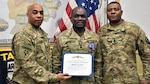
pixel 78 64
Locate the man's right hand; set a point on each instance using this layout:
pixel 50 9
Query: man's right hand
pixel 62 76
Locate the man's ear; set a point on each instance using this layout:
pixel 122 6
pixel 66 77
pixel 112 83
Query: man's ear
pixel 27 14
pixel 71 19
pixel 121 12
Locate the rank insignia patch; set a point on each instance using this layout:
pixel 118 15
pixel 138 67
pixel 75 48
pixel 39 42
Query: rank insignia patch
pixel 25 53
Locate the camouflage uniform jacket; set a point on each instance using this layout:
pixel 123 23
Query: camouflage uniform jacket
pixel 119 53
pixel 31 49
pixel 70 41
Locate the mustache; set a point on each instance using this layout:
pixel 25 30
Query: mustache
pixel 80 22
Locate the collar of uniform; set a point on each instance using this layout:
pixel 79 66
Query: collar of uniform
pixel 32 27
pixel 120 27
pixel 36 29
pixel 75 35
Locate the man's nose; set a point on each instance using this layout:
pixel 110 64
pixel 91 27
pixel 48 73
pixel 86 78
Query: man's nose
pixel 113 12
pixel 39 14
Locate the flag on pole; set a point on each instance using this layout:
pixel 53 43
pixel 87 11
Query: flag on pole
pixel 93 13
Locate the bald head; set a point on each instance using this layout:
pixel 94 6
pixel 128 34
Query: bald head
pixel 35 14
pixel 30 7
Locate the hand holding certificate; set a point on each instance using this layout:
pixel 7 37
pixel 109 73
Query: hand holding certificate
pixel 78 64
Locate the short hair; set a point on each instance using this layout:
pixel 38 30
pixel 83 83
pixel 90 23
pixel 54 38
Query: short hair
pixel 114 2
pixel 78 8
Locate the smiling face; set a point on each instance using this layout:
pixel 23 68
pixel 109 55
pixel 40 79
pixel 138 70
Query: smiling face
pixel 35 15
pixel 114 12
pixel 78 18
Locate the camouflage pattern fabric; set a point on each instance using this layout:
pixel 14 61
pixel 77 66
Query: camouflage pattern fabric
pixel 31 49
pixel 69 41
pixel 119 53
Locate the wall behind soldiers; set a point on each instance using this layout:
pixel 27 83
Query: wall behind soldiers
pixel 137 11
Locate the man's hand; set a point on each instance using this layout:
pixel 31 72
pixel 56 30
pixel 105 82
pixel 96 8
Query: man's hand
pixel 62 76
pixel 144 82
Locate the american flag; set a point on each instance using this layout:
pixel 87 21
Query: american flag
pixel 93 13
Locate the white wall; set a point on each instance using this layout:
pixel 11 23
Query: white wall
pixel 137 11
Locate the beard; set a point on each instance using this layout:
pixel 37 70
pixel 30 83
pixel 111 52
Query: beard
pixel 115 21
pixel 79 25
pixel 77 28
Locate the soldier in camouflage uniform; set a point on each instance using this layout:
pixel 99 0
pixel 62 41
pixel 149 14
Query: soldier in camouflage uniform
pixel 77 40
pixel 120 40
pixel 31 49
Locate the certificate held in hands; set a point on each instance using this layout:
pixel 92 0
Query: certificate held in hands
pixel 78 64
